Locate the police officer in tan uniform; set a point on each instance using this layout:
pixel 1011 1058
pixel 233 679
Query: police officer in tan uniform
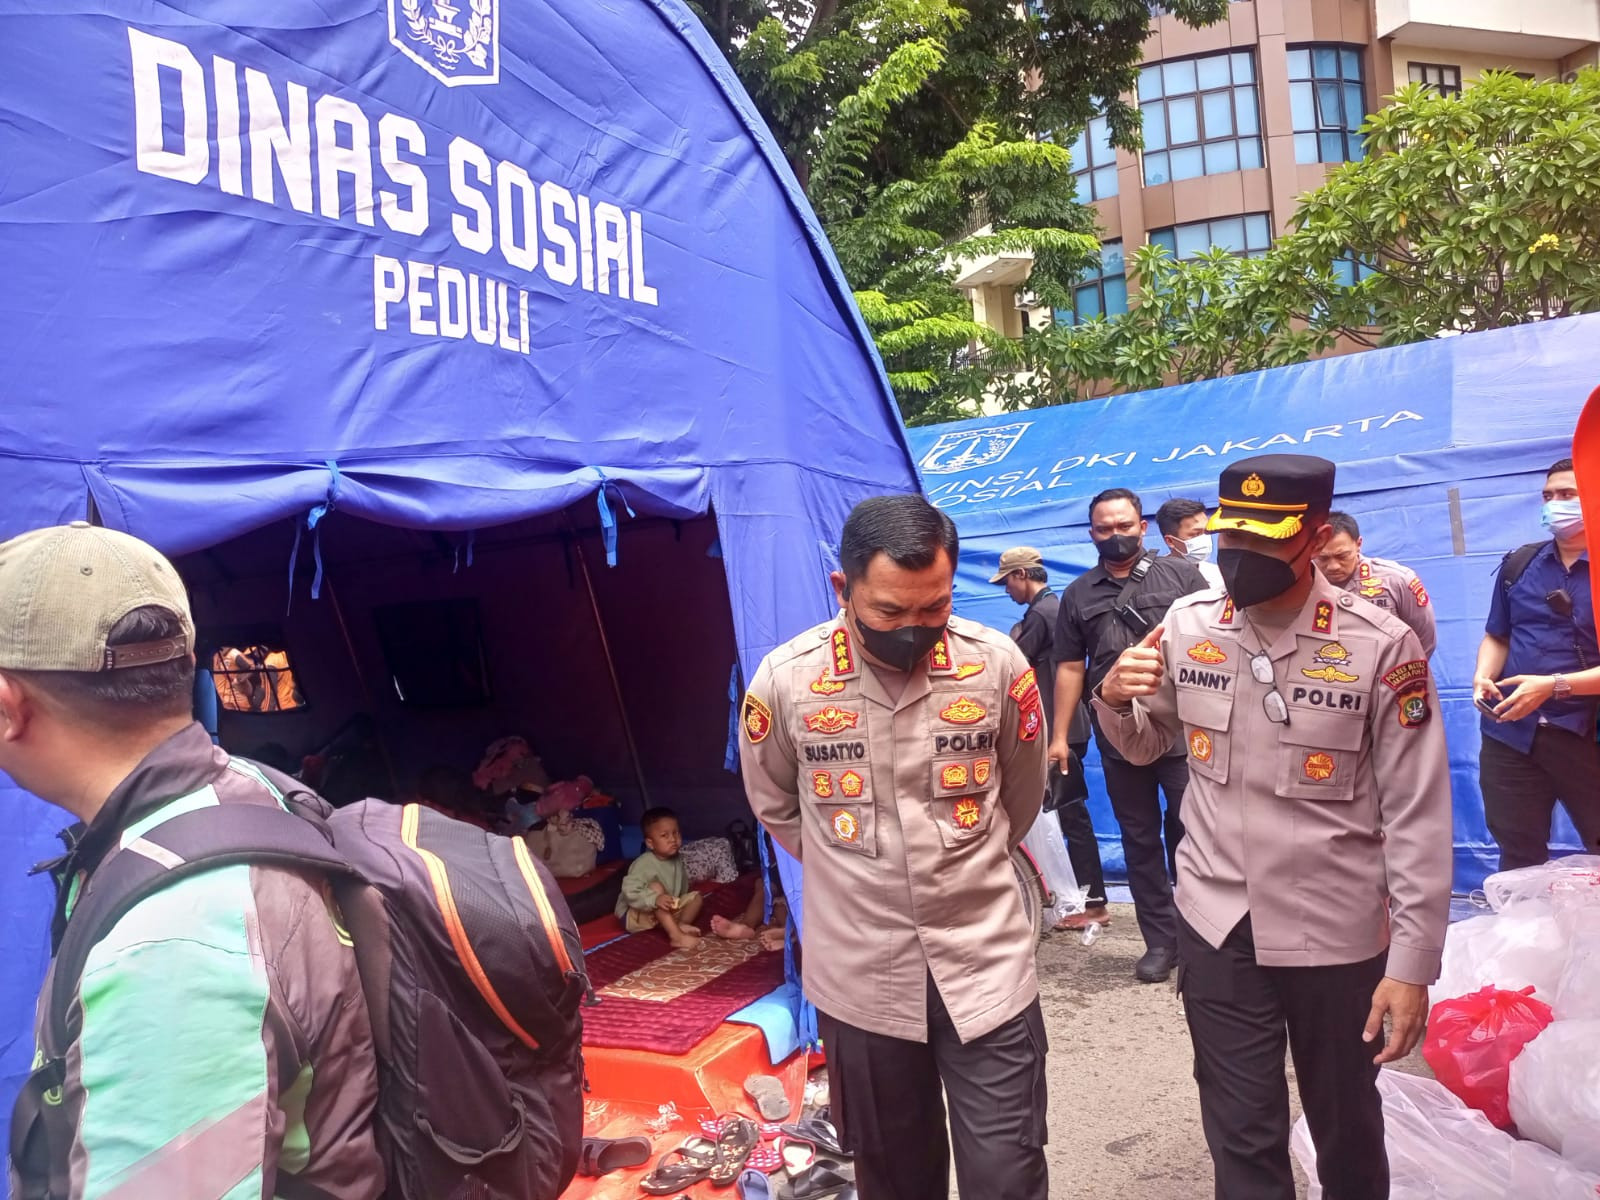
pixel 1393 587
pixel 899 753
pixel 1314 878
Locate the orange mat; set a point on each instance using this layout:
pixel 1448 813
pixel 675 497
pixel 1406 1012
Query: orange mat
pixel 627 1088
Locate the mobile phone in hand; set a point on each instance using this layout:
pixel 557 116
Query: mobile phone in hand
pixel 1486 708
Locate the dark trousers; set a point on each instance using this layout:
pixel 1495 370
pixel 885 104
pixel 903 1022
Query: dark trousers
pixel 887 1100
pixel 1520 792
pixel 1135 794
pixel 1082 847
pixel 1239 1014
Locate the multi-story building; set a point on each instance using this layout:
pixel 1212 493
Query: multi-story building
pixel 1242 117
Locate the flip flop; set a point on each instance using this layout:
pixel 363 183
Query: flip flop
pixel 738 1138
pixel 797 1154
pixel 767 1092
pixel 824 1179
pixel 601 1156
pixel 753 1185
pixel 819 1130
pixel 680 1167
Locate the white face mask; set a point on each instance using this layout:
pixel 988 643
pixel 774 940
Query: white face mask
pixel 1563 518
pixel 1198 548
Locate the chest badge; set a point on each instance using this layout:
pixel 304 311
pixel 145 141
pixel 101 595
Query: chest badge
pixel 981 771
pixel 967 670
pixel 963 712
pixel 846 826
pixel 822 784
pixel 1208 652
pixel 966 814
pixel 824 685
pixel 1331 659
pixel 1318 766
pixel 1200 747
pixel 757 719
pixel 953 778
pixel 832 719
pixel 850 784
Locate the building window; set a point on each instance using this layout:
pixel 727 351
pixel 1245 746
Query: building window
pixel 1442 79
pixel 1327 102
pixel 1094 162
pixel 1245 237
pixel 1201 117
pixel 1100 293
pixel 1349 269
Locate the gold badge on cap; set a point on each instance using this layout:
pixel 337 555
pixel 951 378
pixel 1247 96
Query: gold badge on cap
pixel 1253 487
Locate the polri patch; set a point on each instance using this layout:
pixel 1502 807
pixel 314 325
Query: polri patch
pixel 757 719
pixel 1200 746
pixel 822 784
pixel 851 783
pixel 825 685
pixel 1022 684
pixel 1318 766
pixel 981 771
pixel 966 814
pixel 846 826
pixel 1420 592
pixel 1208 652
pixel 967 670
pixel 953 778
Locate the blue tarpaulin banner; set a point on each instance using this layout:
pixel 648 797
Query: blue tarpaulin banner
pixel 444 265
pixel 1441 450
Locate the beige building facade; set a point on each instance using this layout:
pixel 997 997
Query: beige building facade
pixel 1244 116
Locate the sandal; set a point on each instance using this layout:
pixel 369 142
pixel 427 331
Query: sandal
pixel 824 1179
pixel 767 1092
pixel 601 1156
pixel 738 1138
pixel 819 1130
pixel 797 1154
pixel 679 1168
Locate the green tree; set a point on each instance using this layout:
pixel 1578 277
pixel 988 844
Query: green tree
pixel 915 124
pixel 1469 213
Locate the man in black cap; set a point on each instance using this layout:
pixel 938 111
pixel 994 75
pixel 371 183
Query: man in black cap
pixel 1314 875
pixel 1104 611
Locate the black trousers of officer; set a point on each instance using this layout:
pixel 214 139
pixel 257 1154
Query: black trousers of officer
pixel 887 1101
pixel 1077 826
pixel 1239 1014
pixel 1520 792
pixel 1135 794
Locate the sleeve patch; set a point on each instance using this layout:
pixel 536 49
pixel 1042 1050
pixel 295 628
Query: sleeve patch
pixel 756 718
pixel 1408 675
pixel 1420 592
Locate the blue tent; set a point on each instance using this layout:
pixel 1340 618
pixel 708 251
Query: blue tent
pixel 426 266
pixel 1441 448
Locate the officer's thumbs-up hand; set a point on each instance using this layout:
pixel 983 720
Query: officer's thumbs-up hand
pixel 1137 672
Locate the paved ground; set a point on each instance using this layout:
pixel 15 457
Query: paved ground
pixel 1124 1118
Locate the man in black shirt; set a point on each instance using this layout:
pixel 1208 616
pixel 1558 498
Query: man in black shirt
pixel 1103 612
pixel 1027 582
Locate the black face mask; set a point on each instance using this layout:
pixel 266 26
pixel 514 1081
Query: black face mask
pixel 1253 577
pixel 900 648
pixel 1119 547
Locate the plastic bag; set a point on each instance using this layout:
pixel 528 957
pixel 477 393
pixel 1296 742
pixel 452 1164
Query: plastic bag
pixel 1511 950
pixel 1049 849
pixel 1439 1149
pixel 1573 881
pixel 1578 990
pixel 1472 1040
pixel 1555 1091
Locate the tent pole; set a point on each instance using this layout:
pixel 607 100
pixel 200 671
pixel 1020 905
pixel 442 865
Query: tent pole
pixel 366 688
pixel 611 665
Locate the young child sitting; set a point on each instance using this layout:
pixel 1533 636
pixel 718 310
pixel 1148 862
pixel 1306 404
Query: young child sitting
pixel 656 889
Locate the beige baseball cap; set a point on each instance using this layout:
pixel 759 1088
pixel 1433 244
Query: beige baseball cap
pixel 1018 558
pixel 63 588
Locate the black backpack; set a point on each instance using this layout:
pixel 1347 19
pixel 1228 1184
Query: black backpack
pixel 469 959
pixel 1516 562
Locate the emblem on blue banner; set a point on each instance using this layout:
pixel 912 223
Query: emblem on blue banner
pixel 455 43
pixel 972 448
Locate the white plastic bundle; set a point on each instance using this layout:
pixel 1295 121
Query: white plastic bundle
pixel 1508 950
pixel 1049 850
pixel 1555 1091
pixel 1573 881
pixel 1439 1149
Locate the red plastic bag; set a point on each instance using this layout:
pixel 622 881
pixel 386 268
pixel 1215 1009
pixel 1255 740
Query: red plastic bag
pixel 1472 1040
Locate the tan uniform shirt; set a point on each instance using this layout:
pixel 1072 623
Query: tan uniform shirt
pixel 1334 831
pixel 904 811
pixel 1395 588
